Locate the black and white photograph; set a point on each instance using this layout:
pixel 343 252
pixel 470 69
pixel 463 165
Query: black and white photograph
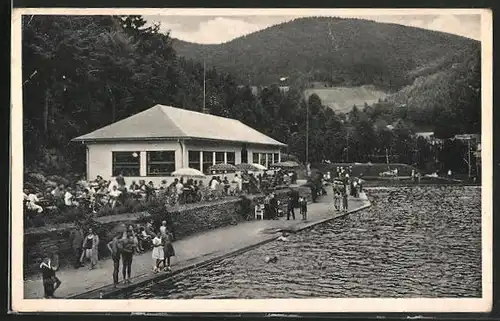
pixel 244 160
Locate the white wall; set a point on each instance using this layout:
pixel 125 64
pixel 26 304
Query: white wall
pixel 99 156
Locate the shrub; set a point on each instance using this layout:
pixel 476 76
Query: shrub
pixel 69 215
pixel 245 207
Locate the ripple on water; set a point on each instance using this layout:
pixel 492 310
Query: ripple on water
pixel 413 242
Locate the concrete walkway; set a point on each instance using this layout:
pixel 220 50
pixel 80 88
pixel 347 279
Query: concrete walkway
pixel 193 251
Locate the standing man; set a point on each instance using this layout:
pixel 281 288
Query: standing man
pixel 238 182
pixel 114 247
pixel 128 249
pixel 293 199
pixel 76 239
pixel 273 202
pixel 267 206
pixel 344 193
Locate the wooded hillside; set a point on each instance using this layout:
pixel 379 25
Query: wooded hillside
pixel 344 52
pixel 84 72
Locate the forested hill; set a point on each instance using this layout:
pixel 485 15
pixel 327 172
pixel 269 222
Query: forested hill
pixel 347 52
pixel 84 72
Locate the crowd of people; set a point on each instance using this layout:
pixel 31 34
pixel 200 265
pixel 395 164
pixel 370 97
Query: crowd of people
pixel 343 185
pixel 131 240
pixel 127 241
pixel 136 239
pixel 99 193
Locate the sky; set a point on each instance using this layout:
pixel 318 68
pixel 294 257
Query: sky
pixel 219 29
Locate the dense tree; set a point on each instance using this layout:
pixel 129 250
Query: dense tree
pixel 84 72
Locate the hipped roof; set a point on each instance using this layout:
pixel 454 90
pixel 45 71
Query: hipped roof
pixel 166 122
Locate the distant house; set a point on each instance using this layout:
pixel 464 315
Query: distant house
pixel 152 144
pixel 468 137
pixel 430 137
pixel 425 135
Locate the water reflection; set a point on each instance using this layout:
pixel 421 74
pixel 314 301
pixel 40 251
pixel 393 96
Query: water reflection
pixel 413 242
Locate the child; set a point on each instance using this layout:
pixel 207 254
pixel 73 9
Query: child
pixel 158 253
pixel 303 208
pixel 168 249
pixel 50 281
pixel 336 196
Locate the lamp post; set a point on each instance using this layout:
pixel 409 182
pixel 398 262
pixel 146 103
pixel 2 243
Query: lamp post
pixel 283 79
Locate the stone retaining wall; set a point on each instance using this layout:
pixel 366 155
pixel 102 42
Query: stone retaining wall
pixel 186 220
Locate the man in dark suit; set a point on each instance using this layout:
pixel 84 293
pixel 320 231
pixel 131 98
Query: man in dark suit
pixel 293 199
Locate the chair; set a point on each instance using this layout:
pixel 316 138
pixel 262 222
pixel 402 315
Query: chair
pixel 259 211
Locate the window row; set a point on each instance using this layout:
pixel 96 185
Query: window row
pixel 162 163
pixel 265 159
pixel 202 160
pixel 158 163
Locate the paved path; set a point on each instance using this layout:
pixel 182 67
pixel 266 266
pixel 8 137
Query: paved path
pixel 191 251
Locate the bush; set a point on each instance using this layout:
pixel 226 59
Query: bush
pixel 157 214
pixel 70 215
pixel 245 207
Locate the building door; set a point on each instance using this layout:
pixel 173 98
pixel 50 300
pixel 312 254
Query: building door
pixel 244 155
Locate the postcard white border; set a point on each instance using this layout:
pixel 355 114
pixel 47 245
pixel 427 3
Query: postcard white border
pixel 19 304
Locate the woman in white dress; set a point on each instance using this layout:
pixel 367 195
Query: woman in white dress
pixel 157 253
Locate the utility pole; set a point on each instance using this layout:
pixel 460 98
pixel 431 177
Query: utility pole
pixel 478 159
pixel 468 155
pixel 347 147
pixel 204 90
pixel 307 133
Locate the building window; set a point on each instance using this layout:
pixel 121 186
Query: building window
pixel 231 158
pixel 255 158
pixel 219 158
pixel 269 159
pixel 194 159
pixel 276 158
pixel 126 163
pixel 207 161
pixel 160 163
pixel 263 159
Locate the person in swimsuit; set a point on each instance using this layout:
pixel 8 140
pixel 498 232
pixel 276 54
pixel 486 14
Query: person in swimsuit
pixel 114 247
pixel 168 249
pixel 90 248
pixel 128 249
